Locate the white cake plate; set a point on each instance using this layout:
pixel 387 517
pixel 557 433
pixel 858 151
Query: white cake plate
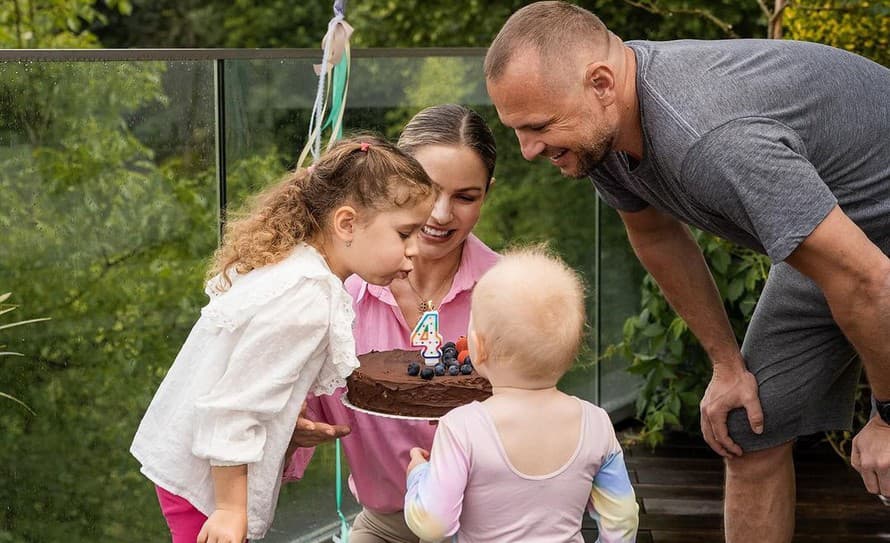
pixel 345 401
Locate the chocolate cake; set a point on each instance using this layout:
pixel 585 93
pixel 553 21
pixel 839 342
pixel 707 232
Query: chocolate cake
pixel 382 384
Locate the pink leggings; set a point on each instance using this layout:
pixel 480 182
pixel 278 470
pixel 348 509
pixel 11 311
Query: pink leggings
pixel 184 520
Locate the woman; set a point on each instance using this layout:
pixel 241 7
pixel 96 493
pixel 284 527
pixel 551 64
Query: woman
pixel 457 150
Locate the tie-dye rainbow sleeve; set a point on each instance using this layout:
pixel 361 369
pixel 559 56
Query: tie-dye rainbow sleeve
pixel 613 504
pixel 435 493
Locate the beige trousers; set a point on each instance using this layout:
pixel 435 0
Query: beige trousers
pixel 371 527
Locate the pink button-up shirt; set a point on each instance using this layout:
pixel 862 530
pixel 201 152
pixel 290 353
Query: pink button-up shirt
pixel 377 448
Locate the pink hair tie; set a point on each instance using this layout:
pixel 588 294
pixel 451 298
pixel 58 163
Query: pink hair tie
pixel 365 146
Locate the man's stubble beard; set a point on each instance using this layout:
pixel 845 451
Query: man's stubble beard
pixel 592 155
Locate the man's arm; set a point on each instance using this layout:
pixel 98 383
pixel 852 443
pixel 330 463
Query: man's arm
pixel 667 250
pixel 854 276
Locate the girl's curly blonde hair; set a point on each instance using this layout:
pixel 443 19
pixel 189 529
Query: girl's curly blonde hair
pixel 364 171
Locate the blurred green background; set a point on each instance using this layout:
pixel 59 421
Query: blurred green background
pixel 109 202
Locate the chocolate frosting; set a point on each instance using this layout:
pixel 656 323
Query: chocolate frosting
pixel 382 384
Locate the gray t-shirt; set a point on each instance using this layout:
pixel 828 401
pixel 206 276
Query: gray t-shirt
pixel 757 140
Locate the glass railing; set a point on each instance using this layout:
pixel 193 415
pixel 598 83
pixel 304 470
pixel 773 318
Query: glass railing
pixel 114 166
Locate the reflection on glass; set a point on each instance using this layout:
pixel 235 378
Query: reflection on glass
pixel 107 211
pixel 621 277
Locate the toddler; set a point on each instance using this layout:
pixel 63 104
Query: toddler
pixel 526 463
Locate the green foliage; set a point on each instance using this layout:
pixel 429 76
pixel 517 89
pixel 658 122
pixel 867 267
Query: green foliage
pixel 435 23
pixel 683 19
pixel 4 309
pixel 215 23
pixel 665 353
pixel 860 27
pixel 112 243
pixel 102 240
pixel 397 23
pixel 53 24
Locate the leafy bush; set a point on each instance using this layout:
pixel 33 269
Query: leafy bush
pixel 665 353
pixel 854 25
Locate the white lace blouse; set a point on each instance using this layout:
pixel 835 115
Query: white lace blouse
pixel 236 387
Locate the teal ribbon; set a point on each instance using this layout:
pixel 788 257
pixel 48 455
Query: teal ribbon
pixel 338 98
pixel 344 526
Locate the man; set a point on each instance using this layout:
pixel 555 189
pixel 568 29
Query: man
pixel 776 145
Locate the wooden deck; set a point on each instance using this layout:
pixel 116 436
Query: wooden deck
pixel 680 486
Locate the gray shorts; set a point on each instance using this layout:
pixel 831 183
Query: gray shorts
pixel 806 369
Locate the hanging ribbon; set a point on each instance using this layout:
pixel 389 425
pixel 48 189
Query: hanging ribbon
pixel 344 526
pixel 333 84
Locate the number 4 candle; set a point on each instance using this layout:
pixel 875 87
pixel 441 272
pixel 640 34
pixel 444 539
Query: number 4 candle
pixel 426 334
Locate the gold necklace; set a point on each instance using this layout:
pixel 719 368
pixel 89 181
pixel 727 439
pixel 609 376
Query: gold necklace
pixel 425 305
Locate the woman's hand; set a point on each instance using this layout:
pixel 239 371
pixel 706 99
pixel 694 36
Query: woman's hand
pixel 308 433
pixel 418 456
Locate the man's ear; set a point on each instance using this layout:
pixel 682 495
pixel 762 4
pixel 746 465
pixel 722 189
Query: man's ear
pixel 599 77
pixel 344 221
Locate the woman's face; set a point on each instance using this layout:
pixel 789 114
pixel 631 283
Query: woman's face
pixel 463 177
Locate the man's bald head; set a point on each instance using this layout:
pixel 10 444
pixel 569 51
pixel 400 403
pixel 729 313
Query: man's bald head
pixel 553 30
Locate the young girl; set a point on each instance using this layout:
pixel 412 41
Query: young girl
pixel 524 464
pixel 278 327
pixel 457 150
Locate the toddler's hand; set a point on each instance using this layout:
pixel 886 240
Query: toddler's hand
pixel 224 526
pixel 418 456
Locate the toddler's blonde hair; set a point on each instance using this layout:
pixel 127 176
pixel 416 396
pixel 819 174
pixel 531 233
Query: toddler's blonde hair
pixel 529 308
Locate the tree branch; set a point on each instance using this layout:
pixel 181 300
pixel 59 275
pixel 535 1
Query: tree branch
pixel 774 30
pixel 107 265
pixel 18 23
pixel 764 8
pixel 33 9
pixel 698 12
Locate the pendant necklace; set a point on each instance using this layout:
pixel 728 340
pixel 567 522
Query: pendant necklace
pixel 425 305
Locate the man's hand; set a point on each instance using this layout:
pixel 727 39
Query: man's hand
pixel 729 388
pixel 871 456
pixel 225 526
pixel 309 433
pixel 418 456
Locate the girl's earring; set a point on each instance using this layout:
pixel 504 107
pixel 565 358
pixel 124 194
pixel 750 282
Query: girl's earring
pixel 349 243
